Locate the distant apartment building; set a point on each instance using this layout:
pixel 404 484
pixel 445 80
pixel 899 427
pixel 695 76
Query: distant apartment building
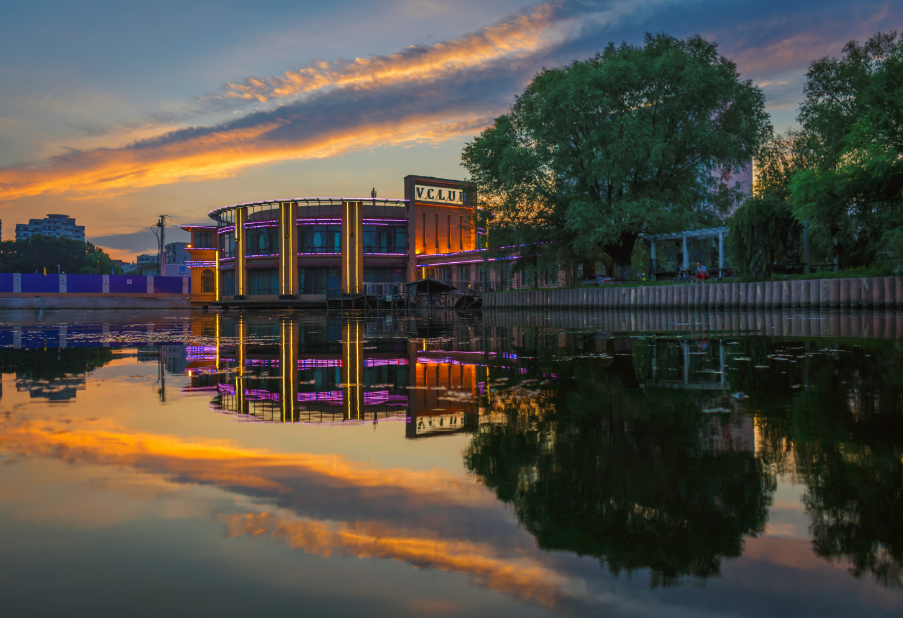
pixel 61 226
pixel 146 264
pixel 176 253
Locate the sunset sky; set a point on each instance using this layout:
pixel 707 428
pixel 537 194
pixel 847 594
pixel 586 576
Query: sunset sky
pixel 116 112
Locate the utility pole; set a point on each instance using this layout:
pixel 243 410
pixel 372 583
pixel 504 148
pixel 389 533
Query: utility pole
pixel 159 231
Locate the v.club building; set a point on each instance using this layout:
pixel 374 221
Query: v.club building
pixel 303 249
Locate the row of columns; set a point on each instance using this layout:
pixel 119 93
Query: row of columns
pixel 289 284
pixel 815 293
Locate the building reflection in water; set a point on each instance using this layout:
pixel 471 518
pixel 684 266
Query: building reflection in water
pixel 338 373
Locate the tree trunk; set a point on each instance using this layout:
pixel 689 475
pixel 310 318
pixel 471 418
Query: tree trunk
pixel 622 254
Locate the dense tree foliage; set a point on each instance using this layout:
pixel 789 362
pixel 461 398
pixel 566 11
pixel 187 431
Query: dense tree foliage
pixel 39 252
pixel 840 173
pixel 596 153
pixel 851 188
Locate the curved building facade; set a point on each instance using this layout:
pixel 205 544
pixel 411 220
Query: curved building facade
pixel 305 248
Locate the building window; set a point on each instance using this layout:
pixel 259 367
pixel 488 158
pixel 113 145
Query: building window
pixel 207 283
pixel 229 283
pixel 464 273
pixel 461 233
pixel 385 239
pixel 227 244
pixel 552 276
pixel 203 239
pixel 318 279
pixel 447 273
pixel 320 239
pixel 263 241
pixel 263 281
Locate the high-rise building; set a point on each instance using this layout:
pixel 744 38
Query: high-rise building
pixel 61 226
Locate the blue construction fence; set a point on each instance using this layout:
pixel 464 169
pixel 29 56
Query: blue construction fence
pixel 27 283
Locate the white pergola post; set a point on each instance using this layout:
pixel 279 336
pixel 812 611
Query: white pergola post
pixel 720 254
pixel 686 258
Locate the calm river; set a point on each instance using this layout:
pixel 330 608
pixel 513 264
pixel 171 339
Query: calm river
pixel 521 465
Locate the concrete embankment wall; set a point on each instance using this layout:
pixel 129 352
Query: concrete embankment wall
pixel 99 301
pixel 873 292
pixel 864 323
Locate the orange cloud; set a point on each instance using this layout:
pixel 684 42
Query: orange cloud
pixel 226 465
pixel 520 36
pixel 218 154
pixel 230 467
pixel 521 576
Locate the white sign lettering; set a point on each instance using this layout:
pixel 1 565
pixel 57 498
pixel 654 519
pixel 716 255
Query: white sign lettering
pixel 442 195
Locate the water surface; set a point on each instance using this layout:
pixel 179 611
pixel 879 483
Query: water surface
pixel 519 466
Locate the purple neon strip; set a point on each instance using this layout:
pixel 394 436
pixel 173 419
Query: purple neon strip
pixel 310 363
pixel 426 255
pixel 263 255
pixel 339 253
pixel 467 261
pixel 224 230
pixel 387 220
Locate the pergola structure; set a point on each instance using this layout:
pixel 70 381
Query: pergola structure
pixel 709 232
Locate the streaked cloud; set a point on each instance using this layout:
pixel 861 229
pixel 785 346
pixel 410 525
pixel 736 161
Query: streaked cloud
pixel 423 94
pixel 517 36
pixel 518 575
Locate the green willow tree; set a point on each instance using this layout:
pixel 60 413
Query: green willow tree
pixel 627 142
pixel 763 229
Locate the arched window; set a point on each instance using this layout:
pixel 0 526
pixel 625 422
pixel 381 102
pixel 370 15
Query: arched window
pixel 207 284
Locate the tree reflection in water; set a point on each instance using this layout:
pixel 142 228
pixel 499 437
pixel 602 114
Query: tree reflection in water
pixel 608 464
pixel 601 467
pixel 842 437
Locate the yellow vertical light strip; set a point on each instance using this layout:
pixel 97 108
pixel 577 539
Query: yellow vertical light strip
pixel 291 247
pixel 217 273
pixel 359 261
pixel 283 368
pixel 360 361
pixel 345 249
pixel 240 250
pixel 281 246
pixel 292 369
pixel 217 342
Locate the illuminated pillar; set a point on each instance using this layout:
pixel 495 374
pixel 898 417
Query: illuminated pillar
pixel 353 370
pixel 352 248
pixel 241 405
pixel 216 270
pixel 216 341
pixel 289 369
pixel 288 252
pixel 241 275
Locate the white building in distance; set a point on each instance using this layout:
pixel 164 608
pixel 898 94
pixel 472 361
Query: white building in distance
pixel 61 226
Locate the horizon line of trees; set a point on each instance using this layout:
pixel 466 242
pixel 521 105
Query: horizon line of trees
pixel 38 253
